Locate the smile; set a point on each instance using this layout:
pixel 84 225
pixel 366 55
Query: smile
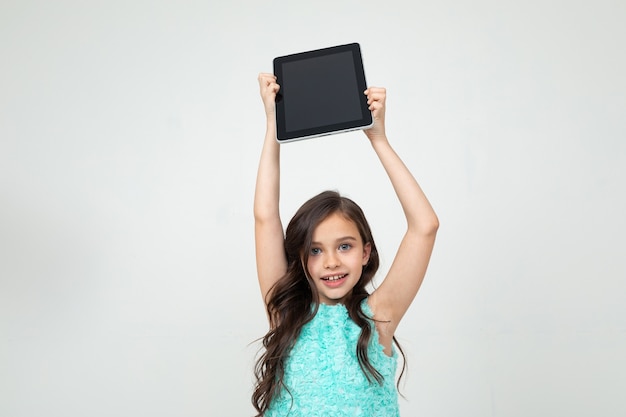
pixel 334 278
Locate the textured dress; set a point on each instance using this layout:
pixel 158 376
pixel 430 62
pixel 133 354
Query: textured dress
pixel 323 374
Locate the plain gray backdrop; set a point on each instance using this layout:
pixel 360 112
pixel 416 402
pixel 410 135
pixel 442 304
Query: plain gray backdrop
pixel 130 133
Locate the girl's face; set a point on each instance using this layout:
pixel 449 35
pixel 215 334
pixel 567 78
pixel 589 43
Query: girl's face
pixel 337 258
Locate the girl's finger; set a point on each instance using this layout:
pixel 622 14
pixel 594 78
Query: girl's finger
pixel 265 80
pixel 374 90
pixel 376 100
pixel 377 95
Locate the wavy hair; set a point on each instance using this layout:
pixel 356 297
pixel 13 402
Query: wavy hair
pixel 293 300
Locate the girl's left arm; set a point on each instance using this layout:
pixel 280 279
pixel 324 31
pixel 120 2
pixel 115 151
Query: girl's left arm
pixel 394 296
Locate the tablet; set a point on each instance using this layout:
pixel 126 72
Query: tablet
pixel 321 93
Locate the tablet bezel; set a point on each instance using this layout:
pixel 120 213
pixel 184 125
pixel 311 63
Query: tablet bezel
pixel 366 121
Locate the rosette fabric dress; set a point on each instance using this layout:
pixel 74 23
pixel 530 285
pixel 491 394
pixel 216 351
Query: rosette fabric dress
pixel 323 375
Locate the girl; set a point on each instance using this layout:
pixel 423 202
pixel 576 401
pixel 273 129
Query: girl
pixel 329 348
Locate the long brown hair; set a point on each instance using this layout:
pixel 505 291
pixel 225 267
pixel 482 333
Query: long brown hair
pixel 293 300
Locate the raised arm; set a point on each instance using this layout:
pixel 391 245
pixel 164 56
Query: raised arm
pixel 268 230
pixel 394 296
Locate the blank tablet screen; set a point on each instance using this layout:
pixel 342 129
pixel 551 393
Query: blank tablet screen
pixel 321 93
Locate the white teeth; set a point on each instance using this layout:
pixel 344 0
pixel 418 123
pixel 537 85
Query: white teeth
pixel 334 278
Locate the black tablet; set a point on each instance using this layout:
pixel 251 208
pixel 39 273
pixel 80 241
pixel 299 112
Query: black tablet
pixel 321 93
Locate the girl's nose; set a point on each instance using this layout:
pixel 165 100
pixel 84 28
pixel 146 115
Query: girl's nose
pixel 331 262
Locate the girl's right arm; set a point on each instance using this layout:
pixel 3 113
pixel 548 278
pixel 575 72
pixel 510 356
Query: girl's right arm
pixel 268 230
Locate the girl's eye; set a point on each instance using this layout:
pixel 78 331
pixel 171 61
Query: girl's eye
pixel 345 246
pixel 315 251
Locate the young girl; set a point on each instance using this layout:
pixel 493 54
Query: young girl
pixel 329 348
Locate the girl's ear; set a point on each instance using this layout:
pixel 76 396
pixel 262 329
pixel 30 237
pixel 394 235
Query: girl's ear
pixel 367 250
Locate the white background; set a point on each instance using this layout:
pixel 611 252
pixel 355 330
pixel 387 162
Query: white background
pixel 129 139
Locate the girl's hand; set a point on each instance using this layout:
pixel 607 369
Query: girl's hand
pixel 269 89
pixel 376 97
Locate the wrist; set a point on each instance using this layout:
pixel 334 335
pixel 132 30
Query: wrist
pixel 379 140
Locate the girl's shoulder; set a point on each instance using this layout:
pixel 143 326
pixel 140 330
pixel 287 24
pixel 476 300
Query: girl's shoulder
pixel 367 308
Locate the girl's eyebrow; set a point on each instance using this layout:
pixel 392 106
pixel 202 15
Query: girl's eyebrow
pixel 338 240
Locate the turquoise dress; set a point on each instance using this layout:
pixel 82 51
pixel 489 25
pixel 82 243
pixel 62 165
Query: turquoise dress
pixel 323 374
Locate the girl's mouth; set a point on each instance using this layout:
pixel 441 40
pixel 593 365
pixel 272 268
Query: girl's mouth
pixel 334 280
